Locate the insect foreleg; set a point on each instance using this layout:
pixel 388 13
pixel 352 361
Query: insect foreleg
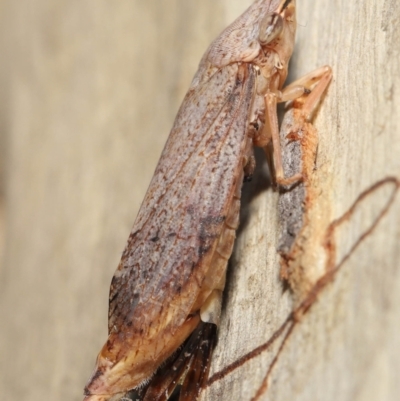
pixel 313 85
pixel 314 82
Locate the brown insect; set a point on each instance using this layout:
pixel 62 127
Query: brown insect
pixel 167 289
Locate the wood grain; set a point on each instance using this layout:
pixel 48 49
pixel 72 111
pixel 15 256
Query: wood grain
pixel 91 90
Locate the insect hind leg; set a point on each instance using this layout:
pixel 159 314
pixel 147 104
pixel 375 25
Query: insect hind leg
pixel 185 374
pixel 204 339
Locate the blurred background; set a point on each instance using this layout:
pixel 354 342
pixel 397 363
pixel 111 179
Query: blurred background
pixel 88 93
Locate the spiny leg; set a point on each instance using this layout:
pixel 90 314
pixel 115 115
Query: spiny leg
pixel 188 368
pixel 313 85
pixel 197 376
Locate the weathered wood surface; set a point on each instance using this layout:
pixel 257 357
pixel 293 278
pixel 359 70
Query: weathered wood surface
pixel 90 92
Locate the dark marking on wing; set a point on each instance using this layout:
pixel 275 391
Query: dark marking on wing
pixel 209 232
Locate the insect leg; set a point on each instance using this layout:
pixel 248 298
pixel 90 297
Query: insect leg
pixel 271 134
pixel 196 378
pixel 185 374
pixel 314 83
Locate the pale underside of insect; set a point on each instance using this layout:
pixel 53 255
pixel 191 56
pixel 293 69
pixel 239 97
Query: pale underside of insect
pixel 167 289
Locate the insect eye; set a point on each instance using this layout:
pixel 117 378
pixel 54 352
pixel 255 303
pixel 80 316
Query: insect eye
pixel 270 28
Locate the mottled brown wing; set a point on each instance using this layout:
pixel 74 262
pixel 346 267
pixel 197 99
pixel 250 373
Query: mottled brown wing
pixel 164 263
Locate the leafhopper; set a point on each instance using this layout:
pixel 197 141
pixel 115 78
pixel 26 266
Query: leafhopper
pixel 165 296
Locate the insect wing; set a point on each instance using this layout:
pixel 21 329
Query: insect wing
pixel 184 209
pixel 173 238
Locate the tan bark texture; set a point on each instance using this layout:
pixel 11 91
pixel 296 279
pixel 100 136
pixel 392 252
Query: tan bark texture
pixel 89 92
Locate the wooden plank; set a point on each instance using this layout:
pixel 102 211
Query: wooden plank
pixel 345 347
